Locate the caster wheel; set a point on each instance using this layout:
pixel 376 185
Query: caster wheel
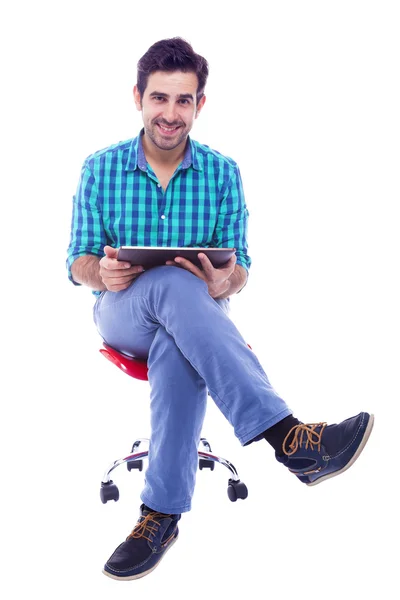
pixel 135 464
pixel 237 489
pixel 206 464
pixel 109 491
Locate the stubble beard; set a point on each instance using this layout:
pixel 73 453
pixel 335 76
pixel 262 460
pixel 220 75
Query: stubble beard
pixel 163 143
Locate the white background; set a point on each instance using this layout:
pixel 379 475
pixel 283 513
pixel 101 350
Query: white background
pixel 304 95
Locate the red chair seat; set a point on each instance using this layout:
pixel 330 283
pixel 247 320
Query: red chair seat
pixel 131 366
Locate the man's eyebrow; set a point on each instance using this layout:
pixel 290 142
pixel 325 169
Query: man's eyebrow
pixel 180 96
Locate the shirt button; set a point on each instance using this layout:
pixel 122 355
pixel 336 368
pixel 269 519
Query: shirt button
pixel 158 184
pixel 163 216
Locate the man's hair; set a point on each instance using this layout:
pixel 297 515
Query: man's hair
pixel 173 54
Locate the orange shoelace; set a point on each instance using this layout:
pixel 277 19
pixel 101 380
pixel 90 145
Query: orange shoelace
pixel 148 525
pixel 300 431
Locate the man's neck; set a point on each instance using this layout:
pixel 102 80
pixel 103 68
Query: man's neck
pixel 164 158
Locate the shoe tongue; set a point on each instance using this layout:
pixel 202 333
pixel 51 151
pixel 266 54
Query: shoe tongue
pixel 145 530
pixel 145 510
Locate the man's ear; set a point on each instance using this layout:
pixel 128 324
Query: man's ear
pixel 137 98
pixel 200 106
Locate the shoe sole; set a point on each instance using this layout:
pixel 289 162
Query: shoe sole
pixel 353 459
pixel 139 575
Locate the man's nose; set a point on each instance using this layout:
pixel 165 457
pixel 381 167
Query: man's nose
pixel 170 112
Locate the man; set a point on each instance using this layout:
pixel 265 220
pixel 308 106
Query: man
pixel 164 189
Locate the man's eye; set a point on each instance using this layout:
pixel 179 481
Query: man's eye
pixel 184 101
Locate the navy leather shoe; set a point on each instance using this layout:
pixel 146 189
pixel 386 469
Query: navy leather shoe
pixel 318 451
pixel 143 549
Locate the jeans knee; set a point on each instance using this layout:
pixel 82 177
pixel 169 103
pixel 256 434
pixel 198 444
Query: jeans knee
pixel 178 278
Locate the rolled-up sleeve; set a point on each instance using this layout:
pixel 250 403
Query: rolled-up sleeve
pixel 232 224
pixel 87 231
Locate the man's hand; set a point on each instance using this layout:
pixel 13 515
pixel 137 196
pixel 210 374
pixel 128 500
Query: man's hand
pixel 116 275
pixel 217 280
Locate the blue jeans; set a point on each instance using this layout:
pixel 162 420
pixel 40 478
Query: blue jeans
pixel 192 349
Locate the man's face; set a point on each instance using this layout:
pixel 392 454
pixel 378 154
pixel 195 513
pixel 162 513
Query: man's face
pixel 169 107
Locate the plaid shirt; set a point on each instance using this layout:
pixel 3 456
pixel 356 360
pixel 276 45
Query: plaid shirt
pixel 119 202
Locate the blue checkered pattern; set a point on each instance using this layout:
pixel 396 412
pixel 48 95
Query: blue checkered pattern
pixel 119 202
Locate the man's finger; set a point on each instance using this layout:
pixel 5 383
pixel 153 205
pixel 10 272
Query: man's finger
pixel 113 265
pixel 206 263
pixel 189 266
pixel 123 273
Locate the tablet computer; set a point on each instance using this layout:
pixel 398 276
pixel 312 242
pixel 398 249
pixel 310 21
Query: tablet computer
pixel 153 256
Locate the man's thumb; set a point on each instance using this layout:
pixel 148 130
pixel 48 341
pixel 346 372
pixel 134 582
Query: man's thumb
pixel 111 252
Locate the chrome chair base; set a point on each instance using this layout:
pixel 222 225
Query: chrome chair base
pixel 134 460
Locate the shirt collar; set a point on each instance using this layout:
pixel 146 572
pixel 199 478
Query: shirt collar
pixel 137 159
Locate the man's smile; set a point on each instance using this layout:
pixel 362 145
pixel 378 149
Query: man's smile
pixel 168 130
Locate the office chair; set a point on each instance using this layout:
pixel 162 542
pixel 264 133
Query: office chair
pixel 109 491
